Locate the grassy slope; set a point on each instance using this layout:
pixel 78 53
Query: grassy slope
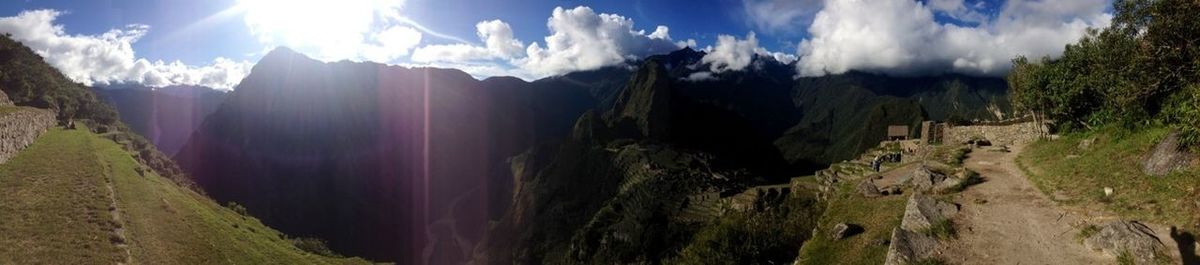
pixel 1112 161
pixel 877 216
pixel 59 212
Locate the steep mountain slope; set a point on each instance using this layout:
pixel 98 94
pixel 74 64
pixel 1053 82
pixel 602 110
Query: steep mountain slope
pixel 74 197
pixel 29 81
pixel 618 191
pixel 101 194
pixel 369 156
pixel 167 115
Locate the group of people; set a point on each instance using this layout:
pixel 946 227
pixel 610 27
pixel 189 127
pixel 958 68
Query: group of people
pixel 893 157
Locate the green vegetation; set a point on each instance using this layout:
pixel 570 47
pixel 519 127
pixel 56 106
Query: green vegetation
pixel 878 216
pixel 771 236
pixel 72 191
pixel 1087 231
pixel 1078 177
pixel 1143 70
pixel 29 81
pixel 55 206
pixel 943 229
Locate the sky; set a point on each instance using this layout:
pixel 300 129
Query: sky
pixel 216 42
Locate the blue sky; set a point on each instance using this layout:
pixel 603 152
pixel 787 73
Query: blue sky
pixel 212 42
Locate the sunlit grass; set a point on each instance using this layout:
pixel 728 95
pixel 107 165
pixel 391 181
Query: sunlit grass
pixel 56 211
pixel 1078 177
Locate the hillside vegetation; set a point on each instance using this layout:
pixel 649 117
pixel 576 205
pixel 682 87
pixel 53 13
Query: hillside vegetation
pixel 1142 71
pixel 30 81
pixel 1078 176
pixel 76 198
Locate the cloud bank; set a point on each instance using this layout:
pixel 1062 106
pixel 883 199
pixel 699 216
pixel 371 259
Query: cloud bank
pixel 109 57
pixel 901 37
pixel 580 39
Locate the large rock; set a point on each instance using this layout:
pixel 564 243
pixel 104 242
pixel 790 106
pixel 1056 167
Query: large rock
pixel 1167 156
pixel 868 189
pixel 922 212
pixel 907 247
pixel 924 178
pixel 1135 238
pixel 844 230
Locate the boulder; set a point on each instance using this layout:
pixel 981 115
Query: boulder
pixel 867 189
pixel 924 211
pixel 1121 236
pixel 924 178
pixel 948 185
pixel 907 247
pixel 891 190
pixel 1167 156
pixel 844 230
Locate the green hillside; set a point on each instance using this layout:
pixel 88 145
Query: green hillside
pixel 74 197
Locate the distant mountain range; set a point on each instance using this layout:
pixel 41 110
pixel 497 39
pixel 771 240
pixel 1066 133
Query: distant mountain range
pixel 430 165
pixel 167 115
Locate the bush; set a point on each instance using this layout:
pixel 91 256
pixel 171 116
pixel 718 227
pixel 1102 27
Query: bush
pixel 1141 70
pixel 314 245
pixel 237 208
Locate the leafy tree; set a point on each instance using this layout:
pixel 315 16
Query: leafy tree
pixel 1141 70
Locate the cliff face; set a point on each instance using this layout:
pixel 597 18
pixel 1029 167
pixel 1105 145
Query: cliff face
pixel 21 127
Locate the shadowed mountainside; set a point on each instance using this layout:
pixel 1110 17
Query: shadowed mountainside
pixel 167 115
pixel 411 164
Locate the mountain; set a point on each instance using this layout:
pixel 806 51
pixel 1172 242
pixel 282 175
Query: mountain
pixel 167 115
pixel 426 165
pixel 618 190
pixel 370 156
pixel 95 192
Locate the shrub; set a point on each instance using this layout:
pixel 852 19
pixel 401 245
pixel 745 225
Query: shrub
pixel 314 245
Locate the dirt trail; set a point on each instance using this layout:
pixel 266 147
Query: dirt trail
pixel 1007 220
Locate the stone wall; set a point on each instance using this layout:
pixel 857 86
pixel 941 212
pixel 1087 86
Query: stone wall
pixel 20 128
pixel 997 134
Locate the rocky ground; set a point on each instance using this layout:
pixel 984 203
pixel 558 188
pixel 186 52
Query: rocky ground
pixel 1007 220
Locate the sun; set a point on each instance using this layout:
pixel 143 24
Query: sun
pixel 333 26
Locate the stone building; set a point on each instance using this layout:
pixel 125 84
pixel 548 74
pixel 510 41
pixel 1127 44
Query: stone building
pixel 897 132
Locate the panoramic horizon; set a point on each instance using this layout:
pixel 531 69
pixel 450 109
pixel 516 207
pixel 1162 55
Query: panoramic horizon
pixel 215 43
pixel 447 132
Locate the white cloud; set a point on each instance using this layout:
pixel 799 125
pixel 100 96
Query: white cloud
pixel 333 30
pixel 498 40
pixel 780 16
pixel 732 54
pixel 700 76
pixel 109 58
pixel 901 37
pixel 580 39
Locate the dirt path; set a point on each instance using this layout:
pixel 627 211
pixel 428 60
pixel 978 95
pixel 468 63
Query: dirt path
pixel 1007 220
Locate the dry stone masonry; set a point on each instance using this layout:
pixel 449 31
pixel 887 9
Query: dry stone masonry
pixel 20 128
pixel 998 134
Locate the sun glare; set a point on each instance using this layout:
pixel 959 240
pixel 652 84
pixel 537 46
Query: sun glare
pixel 334 27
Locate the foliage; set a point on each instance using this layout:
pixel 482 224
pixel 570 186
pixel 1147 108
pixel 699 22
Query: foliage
pixel 314 245
pixel 237 208
pixel 943 229
pixel 1140 70
pixel 770 237
pixel 29 81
